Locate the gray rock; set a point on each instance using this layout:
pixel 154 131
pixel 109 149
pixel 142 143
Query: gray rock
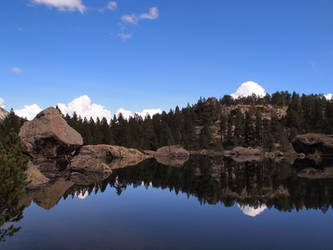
pixel 174 155
pixel 104 158
pixel 49 136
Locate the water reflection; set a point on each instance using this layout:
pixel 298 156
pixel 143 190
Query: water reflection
pixel 253 187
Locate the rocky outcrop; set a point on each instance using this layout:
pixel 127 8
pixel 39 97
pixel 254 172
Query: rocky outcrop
pixel 312 143
pixel 3 114
pixel 104 158
pixel 172 155
pixel 49 136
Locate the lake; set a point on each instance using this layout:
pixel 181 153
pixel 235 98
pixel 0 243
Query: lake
pixel 209 203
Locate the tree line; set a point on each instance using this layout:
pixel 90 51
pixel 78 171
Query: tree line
pixel 209 123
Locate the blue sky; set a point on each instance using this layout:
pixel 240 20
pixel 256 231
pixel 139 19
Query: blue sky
pixel 170 53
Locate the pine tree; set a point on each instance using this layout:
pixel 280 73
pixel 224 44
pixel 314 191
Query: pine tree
pixel 13 164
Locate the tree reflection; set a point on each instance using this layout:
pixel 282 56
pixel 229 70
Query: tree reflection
pixel 12 181
pixel 216 180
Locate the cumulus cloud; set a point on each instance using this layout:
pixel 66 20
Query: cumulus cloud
pixel 251 211
pixel 125 113
pixel 249 88
pixel 152 14
pixel 144 113
pixel 329 96
pixel 17 70
pixel 29 111
pixel 1 102
pixel 83 107
pixel 112 5
pixel 63 5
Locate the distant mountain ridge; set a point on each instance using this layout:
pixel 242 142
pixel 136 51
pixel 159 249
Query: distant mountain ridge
pixel 3 113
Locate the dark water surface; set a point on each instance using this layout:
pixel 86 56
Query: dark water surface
pixel 206 204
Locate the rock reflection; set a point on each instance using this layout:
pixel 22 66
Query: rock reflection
pixel 253 186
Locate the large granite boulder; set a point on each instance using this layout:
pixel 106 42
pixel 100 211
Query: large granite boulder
pixel 173 155
pixel 49 136
pixel 310 143
pixel 174 151
pixel 102 158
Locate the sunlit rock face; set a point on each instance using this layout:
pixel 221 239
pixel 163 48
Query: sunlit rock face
pixel 251 211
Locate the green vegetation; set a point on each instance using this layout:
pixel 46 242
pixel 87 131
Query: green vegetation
pixel 13 164
pixel 11 123
pixel 217 124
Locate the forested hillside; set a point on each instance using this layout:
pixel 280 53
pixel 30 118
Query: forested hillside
pixel 217 124
pixel 211 124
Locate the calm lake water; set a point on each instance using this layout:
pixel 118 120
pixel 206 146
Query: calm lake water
pixel 206 204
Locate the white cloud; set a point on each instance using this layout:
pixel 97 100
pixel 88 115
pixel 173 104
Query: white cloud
pixel 249 88
pixel 130 18
pixel 329 96
pixel 82 195
pixel 125 36
pixel 134 19
pixel 125 113
pixel 144 113
pixel 152 14
pixel 63 5
pixel 29 111
pixel 1 102
pixel 84 108
pixel 17 70
pixel 251 211
pixel 112 5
